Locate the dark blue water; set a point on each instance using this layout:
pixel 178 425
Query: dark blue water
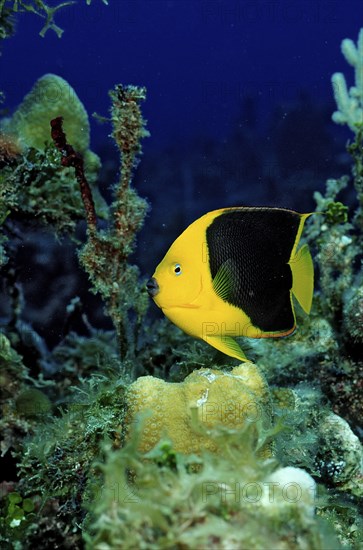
pixel 239 96
pixel 198 59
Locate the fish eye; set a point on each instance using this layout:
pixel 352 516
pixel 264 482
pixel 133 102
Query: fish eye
pixel 177 269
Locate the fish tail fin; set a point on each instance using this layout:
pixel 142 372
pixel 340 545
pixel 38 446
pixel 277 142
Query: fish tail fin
pixel 303 277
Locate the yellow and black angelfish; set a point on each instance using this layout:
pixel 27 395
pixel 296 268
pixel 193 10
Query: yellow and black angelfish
pixel 233 272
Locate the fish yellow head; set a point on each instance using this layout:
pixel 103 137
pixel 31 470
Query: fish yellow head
pixel 178 279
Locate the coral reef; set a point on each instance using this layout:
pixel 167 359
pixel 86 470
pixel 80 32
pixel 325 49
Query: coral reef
pixel 132 435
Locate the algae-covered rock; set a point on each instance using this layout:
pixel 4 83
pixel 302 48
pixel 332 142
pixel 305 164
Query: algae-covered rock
pixel 340 456
pixel 32 402
pixel 317 440
pixel 207 398
pixel 21 407
pixel 353 315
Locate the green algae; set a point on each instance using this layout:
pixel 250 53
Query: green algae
pixel 209 501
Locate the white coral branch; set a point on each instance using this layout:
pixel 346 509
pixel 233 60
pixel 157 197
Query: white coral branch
pixel 350 102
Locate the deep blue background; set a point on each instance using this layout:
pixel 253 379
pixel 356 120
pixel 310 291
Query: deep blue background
pixel 198 59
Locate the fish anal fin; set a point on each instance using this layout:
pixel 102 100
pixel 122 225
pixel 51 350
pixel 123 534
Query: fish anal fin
pixel 227 345
pixel 303 277
pixel 222 282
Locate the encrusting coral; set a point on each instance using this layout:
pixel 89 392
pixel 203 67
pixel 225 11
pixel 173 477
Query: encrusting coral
pixel 207 397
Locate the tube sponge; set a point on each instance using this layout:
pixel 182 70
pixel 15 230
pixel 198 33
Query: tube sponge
pixel 206 398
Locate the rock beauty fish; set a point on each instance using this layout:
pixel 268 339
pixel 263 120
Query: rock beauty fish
pixel 233 272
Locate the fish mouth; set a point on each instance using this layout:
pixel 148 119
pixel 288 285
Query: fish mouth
pixel 152 287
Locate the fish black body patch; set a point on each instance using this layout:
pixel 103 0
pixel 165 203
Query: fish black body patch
pixel 256 245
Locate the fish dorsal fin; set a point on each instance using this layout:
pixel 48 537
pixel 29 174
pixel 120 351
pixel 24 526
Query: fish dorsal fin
pixel 303 277
pixel 227 345
pixel 222 282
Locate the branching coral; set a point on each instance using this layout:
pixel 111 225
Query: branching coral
pixel 338 247
pixel 338 239
pixel 8 8
pixel 350 110
pixel 350 103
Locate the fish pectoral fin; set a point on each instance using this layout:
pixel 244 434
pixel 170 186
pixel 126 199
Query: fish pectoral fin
pixel 222 282
pixel 303 277
pixel 227 345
